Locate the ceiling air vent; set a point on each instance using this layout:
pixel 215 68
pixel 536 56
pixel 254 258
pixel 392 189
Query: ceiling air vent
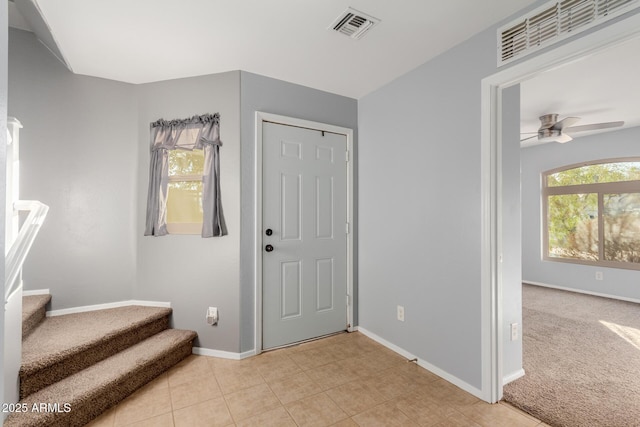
pixel 554 21
pixel 353 24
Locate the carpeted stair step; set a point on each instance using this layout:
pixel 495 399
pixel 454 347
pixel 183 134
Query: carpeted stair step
pixel 63 345
pixel 34 309
pixel 83 396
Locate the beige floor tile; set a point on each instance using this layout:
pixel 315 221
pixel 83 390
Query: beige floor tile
pixel 331 375
pixel 315 411
pixel 278 417
pixel 360 367
pixel 366 344
pixel 447 395
pixel 161 381
pixel 392 383
pixel 251 401
pixel 239 378
pixel 105 420
pixel 344 350
pixel 294 387
pixel 356 397
pixel 497 415
pixel 194 391
pixel 278 366
pixel 384 415
pixel 164 420
pixel 193 367
pixel 143 404
pixel 423 411
pixel 211 413
pixel 456 419
pixel 313 358
pixel 383 359
pixel 320 383
pixel 347 422
pixel 418 373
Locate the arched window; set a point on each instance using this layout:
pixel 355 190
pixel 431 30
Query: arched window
pixel 592 213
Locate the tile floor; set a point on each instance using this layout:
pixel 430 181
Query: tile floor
pixel 343 380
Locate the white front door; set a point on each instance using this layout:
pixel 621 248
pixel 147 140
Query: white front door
pixel 304 241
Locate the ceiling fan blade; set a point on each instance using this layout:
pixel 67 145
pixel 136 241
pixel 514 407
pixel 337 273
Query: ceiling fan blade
pixel 563 138
pixel 566 122
pixel 530 137
pixel 594 126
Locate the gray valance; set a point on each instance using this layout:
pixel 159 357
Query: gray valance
pixel 198 132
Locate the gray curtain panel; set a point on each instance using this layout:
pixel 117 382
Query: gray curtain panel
pixel 198 132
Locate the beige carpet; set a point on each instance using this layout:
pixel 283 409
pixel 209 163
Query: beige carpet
pixel 581 358
pixel 78 365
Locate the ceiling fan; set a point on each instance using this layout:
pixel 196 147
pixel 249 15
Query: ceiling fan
pixel 552 130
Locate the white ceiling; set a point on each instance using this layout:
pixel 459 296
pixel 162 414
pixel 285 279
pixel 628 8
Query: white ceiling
pixel 603 87
pixel 150 40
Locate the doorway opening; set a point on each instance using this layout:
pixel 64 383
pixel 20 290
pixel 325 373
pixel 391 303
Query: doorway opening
pixel 492 235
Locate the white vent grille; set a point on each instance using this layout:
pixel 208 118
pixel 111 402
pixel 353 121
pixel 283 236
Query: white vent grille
pixel 353 24
pixel 553 22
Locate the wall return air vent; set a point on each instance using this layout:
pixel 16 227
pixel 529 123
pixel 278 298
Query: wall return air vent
pixel 353 24
pixel 553 22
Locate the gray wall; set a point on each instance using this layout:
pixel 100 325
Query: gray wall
pixel 259 93
pixel 191 272
pixel 3 161
pixel 511 236
pixel 78 154
pixel 536 160
pixel 85 152
pixel 420 209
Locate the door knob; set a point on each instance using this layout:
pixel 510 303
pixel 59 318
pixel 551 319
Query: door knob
pixel 268 248
pixel 268 232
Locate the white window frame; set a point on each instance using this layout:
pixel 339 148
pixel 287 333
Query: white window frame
pixel 600 189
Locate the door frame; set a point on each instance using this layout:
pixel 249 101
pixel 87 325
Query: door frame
pixel 262 117
pixel 615 33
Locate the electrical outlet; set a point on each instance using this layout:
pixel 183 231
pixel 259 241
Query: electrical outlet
pixel 212 316
pixel 599 275
pixel 514 332
pixel 401 313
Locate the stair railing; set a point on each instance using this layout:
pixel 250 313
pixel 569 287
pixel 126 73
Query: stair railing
pixel 20 248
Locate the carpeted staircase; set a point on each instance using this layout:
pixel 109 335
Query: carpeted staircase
pixel 76 366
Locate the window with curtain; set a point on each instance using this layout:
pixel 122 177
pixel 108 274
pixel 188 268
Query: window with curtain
pixel 184 177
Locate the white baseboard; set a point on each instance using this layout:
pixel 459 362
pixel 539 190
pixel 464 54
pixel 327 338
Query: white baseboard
pixel 580 291
pixel 36 292
pixel 222 354
pixel 512 377
pixel 86 308
pixel 429 367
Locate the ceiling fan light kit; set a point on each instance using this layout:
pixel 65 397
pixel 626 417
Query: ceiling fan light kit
pixel 552 130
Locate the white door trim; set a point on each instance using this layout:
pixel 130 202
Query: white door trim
pixel 491 149
pixel 290 121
